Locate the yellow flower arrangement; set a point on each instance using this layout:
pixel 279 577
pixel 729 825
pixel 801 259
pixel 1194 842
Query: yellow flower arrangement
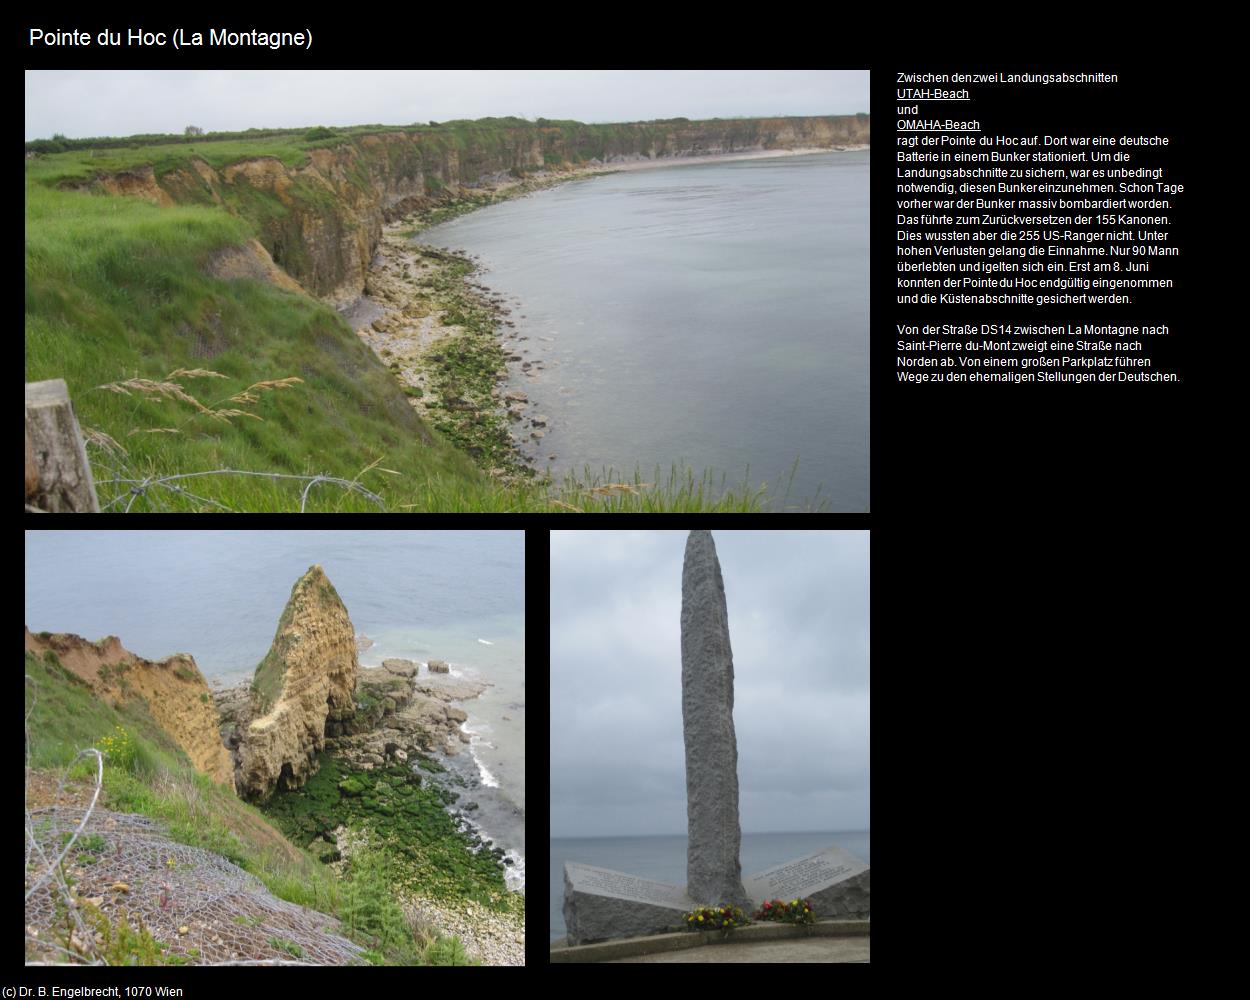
pixel 716 918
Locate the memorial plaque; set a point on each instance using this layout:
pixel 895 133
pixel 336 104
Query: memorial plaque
pixel 605 882
pixel 600 903
pixel 834 880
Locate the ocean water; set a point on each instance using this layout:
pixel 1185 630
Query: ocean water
pixel 664 858
pixel 713 315
pixel 451 595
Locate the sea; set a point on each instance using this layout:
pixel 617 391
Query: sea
pixel 419 595
pixel 713 316
pixel 664 858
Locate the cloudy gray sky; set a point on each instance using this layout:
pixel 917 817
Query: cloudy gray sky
pixel 122 102
pixel 798 624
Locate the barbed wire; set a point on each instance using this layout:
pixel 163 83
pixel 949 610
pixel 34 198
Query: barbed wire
pixel 140 487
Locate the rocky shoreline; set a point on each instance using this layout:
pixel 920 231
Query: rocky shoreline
pixel 406 712
pixel 400 712
pixel 447 337
pixel 491 937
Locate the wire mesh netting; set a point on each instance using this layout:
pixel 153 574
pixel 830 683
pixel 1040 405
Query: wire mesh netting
pixel 198 906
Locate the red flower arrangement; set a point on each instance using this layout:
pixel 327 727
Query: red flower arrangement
pixel 797 911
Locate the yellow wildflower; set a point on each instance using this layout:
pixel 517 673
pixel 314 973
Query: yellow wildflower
pixel 700 917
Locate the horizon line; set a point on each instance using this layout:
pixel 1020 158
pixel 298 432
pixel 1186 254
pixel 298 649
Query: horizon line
pixel 751 833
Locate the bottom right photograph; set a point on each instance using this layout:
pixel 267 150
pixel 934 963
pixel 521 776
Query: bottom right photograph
pixel 710 746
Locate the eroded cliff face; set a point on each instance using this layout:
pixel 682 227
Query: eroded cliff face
pixel 176 693
pixel 307 678
pixel 321 221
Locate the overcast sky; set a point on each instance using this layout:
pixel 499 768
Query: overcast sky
pixel 798 625
pixel 122 102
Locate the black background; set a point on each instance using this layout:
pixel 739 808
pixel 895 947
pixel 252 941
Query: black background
pixel 1039 552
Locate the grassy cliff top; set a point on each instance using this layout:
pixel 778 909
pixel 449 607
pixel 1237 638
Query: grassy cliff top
pixel 116 288
pixel 61 159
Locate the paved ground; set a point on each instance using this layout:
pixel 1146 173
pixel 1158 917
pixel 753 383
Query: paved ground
pixel 847 949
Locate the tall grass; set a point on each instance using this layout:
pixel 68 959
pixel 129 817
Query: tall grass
pixel 118 303
pixel 115 293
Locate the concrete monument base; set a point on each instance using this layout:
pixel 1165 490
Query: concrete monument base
pixel 601 904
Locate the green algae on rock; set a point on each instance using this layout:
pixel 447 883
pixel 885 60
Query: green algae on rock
pixel 407 818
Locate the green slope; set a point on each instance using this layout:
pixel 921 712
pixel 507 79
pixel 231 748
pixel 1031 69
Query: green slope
pixel 115 290
pixel 145 772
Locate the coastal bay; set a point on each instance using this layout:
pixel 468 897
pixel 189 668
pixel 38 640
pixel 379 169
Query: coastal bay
pixel 525 388
pixel 711 316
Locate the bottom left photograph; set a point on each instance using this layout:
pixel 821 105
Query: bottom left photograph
pixel 275 748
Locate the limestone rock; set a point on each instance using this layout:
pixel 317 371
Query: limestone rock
pixel 176 692
pixel 378 692
pixel 450 688
pixel 713 871
pixel 307 678
pixel 401 668
pixel 249 260
pixel 439 667
pixel 234 712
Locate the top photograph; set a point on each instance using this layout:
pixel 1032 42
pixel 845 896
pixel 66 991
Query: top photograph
pixel 553 291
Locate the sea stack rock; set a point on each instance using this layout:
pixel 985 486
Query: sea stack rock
pixel 713 869
pixel 306 681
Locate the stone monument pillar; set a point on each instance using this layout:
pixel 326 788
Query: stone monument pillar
pixel 713 871
pixel 601 903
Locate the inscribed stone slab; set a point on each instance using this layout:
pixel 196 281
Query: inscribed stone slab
pixel 600 903
pixel 834 880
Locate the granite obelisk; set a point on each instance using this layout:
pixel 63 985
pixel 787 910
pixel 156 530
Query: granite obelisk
pixel 601 903
pixel 713 869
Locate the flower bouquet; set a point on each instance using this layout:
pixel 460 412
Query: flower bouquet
pixel 715 918
pixel 797 911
